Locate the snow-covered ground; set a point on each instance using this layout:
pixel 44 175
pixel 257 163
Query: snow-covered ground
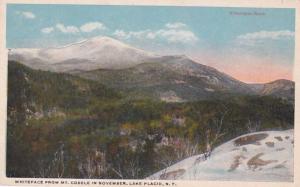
pixel 260 156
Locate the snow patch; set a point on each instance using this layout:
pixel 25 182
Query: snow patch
pixel 254 160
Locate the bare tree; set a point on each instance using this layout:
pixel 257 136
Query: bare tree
pixel 94 165
pixel 117 170
pixel 133 168
pixel 58 166
pixel 219 125
pixel 53 168
pixel 217 122
pixel 179 150
pixel 166 156
pixel 190 148
pixel 88 167
pixel 118 165
pixel 43 169
pixel 253 125
pixel 127 165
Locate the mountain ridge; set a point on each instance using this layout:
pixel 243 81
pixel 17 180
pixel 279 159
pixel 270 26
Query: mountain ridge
pixel 173 75
pixel 101 51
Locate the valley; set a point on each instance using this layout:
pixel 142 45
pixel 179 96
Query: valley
pixel 105 110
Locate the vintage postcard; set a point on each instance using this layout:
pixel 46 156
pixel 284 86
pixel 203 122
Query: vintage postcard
pixel 149 94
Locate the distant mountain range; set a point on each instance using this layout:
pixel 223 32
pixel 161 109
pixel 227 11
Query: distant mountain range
pixel 144 74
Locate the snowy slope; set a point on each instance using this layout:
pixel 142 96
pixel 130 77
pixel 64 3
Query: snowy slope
pixel 261 156
pixel 94 53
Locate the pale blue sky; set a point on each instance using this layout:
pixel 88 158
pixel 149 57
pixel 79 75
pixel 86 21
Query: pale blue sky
pixel 163 29
pixel 216 26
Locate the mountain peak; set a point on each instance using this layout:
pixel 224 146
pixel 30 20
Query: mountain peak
pixel 94 53
pixel 281 81
pixel 105 40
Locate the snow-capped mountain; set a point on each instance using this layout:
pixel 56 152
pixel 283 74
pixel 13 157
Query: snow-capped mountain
pixel 118 65
pixel 260 156
pixel 94 53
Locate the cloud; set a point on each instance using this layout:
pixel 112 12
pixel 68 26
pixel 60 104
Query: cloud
pixel 266 43
pixel 67 29
pixel 85 28
pixel 25 14
pixel 274 35
pixel 175 25
pixel 171 33
pixel 121 34
pixel 257 37
pixel 47 30
pixel 91 26
pixel 175 36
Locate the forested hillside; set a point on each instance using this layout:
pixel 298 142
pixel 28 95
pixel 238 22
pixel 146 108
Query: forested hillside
pixel 59 125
